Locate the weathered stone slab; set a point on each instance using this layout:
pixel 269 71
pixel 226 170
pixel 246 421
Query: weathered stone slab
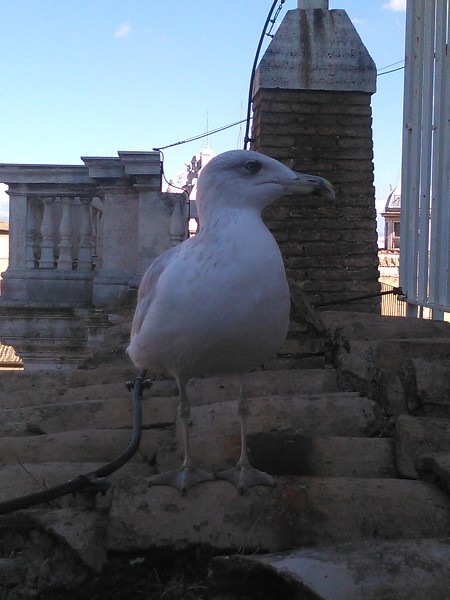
pixel 392 394
pixel 392 354
pixel 102 414
pixel 356 367
pixel 361 361
pixel 436 468
pixel 34 389
pixel 320 414
pixel 38 562
pixel 28 478
pixel 277 382
pixel 416 437
pixel 89 445
pixel 322 456
pixel 81 530
pixel 428 381
pixel 347 325
pixel 400 570
pixel 289 454
pixel 298 512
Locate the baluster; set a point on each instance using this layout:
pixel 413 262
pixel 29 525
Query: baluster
pixel 97 226
pixel 177 224
pixel 47 260
pixel 65 232
pixel 31 235
pixel 85 243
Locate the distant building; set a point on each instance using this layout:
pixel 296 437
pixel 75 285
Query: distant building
pixel 391 217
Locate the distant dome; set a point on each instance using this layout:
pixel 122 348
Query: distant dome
pixel 394 201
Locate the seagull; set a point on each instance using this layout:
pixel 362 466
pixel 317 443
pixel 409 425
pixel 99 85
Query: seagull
pixel 218 303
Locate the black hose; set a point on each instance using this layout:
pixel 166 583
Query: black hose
pixel 247 139
pixel 394 291
pixel 95 480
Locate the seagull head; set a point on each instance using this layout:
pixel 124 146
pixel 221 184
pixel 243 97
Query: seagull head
pixel 244 178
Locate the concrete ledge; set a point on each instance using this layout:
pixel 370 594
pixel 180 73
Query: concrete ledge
pixel 403 570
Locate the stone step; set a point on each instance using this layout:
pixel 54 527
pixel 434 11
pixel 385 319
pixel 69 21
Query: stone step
pixel 288 454
pixel 299 511
pixel 436 468
pixel 28 478
pixel 323 456
pixel 78 386
pixel 427 385
pixel 370 570
pixel 72 416
pixel 393 354
pixel 45 380
pixel 358 457
pixel 417 437
pixel 89 445
pixel 258 383
pixel 36 397
pixel 312 413
pixel 362 362
pixel 282 421
pixel 340 414
pixel 367 326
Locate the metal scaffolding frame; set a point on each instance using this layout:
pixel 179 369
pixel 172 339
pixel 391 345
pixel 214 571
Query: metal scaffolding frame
pixel 425 217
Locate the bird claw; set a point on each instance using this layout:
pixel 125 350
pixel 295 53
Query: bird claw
pixel 245 476
pixel 182 479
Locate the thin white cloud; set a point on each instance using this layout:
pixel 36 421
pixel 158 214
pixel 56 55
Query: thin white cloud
pixel 357 21
pixel 123 30
pixel 396 5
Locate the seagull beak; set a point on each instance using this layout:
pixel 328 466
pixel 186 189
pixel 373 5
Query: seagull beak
pixel 309 184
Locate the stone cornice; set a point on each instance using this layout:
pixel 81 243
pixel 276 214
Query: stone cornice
pixel 42 174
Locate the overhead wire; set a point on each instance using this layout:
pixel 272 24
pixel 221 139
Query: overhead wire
pixel 199 136
pixel 391 71
pixel 255 64
pixel 391 65
pixel 270 20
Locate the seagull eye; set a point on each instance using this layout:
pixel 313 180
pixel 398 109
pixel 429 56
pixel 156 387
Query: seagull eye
pixel 253 166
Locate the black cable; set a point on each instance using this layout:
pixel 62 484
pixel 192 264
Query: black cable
pixel 391 71
pixel 397 291
pixel 252 76
pixel 250 91
pixel 95 480
pixel 391 65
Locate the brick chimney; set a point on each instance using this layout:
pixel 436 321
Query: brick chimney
pixel 311 103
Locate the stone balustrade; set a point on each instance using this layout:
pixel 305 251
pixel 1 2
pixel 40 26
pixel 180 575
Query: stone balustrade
pixel 81 237
pixel 85 234
pixel 63 233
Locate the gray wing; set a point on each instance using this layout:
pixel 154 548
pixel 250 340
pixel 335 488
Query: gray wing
pixel 147 288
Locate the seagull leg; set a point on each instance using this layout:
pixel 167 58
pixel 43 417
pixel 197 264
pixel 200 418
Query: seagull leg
pixel 187 475
pixel 243 476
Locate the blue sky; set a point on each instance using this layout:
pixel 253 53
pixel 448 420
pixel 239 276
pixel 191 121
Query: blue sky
pixel 91 78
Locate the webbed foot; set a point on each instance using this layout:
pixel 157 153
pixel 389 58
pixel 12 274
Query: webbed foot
pixel 244 476
pixel 182 479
